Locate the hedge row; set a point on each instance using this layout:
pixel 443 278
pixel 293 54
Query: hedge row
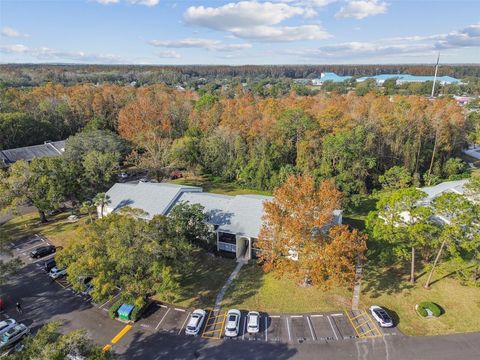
pixel 434 308
pixel 112 312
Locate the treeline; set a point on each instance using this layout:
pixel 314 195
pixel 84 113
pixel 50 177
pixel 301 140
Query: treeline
pixel 40 74
pixel 253 140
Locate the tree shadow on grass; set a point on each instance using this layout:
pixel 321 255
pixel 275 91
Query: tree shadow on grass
pixel 201 281
pixel 379 280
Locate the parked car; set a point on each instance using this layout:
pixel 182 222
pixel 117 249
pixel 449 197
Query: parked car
pixel 253 322
pixel 13 335
pixel 233 323
pixel 381 316
pixel 6 324
pixel 56 273
pixel 88 289
pixel 42 251
pixel 123 175
pixel 49 265
pixel 195 322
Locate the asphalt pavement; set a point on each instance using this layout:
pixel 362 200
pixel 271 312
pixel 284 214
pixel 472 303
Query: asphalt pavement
pixel 160 335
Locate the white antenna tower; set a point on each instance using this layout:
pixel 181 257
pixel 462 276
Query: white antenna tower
pixel 435 76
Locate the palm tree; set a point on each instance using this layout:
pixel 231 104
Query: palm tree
pixel 102 200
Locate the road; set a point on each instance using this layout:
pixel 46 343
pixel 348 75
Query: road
pixel 160 334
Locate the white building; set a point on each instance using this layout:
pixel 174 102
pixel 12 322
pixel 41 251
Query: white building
pixel 236 220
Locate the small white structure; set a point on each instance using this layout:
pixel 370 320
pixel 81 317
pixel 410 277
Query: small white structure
pixel 236 220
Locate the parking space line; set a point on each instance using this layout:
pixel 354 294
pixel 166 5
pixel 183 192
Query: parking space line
pixel 311 328
pixel 274 316
pixel 106 348
pixel 32 247
pixel 244 327
pixel 316 315
pixel 156 328
pixel 163 306
pixel 296 316
pixel 331 325
pixel 186 318
pixel 339 314
pixel 288 329
pixel 180 309
pixel 106 302
pixel 266 328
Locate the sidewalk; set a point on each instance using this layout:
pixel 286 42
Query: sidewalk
pixel 223 290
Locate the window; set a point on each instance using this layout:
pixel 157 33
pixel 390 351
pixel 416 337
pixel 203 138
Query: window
pixel 227 238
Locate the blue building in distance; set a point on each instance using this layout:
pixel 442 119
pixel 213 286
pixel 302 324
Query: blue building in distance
pixel 380 79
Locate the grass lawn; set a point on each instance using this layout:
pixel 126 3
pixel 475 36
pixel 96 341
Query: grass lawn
pixel 58 229
pixel 216 185
pixel 390 288
pixel 356 216
pixel 254 290
pixel 200 285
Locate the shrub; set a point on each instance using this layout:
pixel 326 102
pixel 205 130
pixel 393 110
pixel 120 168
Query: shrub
pixel 112 312
pixel 434 308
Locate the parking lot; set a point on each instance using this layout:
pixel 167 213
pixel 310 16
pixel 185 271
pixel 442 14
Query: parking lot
pixel 295 328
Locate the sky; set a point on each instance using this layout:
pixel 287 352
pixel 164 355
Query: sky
pixel 239 32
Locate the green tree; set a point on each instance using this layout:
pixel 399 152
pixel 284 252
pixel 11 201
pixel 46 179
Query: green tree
pixel 99 171
pixel 122 251
pixel 346 158
pixel 401 221
pixel 40 183
pixel 459 217
pixel 49 343
pixel 188 222
pixel 397 177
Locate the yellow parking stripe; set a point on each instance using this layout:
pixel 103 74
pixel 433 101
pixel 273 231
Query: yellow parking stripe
pixel 117 337
pixel 121 334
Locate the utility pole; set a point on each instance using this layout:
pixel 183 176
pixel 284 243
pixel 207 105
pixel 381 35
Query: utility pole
pixel 435 76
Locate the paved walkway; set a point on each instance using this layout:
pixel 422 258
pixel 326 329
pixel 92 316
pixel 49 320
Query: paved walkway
pixel 357 288
pixel 223 290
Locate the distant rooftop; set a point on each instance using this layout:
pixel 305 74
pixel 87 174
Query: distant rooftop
pixel 28 153
pixel 405 78
pixel 330 76
pixel 432 192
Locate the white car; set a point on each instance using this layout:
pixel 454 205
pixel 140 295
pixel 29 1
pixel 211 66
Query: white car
pixel 195 322
pixel 233 323
pixel 253 322
pixel 55 273
pixel 6 324
pixel 382 317
pixel 13 335
pixel 88 289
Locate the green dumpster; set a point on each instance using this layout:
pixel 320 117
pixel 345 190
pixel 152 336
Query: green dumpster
pixel 124 311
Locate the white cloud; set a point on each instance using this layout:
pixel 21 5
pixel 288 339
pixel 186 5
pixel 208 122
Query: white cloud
pixel 256 21
pixel 282 33
pixel 45 54
pixel 360 9
pixel 168 54
pixel 106 2
pixel 241 15
pixel 208 44
pixel 11 32
pixel 144 2
pixel 469 37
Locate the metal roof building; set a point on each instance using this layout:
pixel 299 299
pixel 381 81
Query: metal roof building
pixel 330 76
pixel 237 220
pixel 28 153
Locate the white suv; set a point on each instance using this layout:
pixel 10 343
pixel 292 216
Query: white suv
pixel 233 323
pixel 55 273
pixel 195 323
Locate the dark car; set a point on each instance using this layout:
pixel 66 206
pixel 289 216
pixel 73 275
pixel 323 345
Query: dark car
pixel 42 251
pixel 49 265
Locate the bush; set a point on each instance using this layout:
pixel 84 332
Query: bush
pixel 112 312
pixel 434 308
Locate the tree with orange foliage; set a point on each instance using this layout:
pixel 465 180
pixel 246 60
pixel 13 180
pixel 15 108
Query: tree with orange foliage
pixel 299 237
